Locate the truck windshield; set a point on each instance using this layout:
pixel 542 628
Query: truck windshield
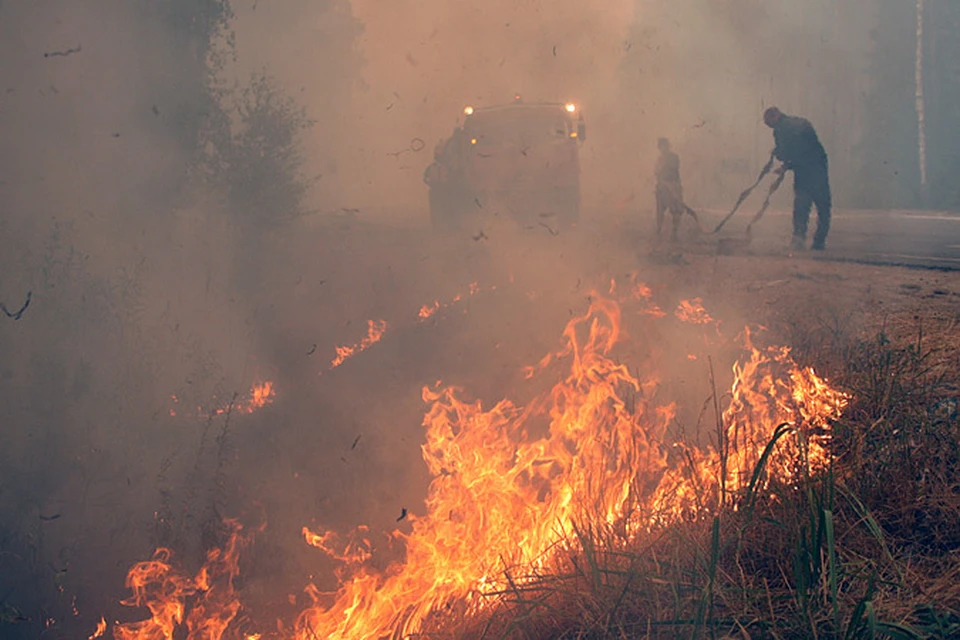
pixel 516 128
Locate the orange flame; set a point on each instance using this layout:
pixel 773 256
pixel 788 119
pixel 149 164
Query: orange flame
pixel 769 390
pixel 207 601
pixel 510 483
pixel 375 331
pixel 429 310
pixel 355 552
pixel 100 630
pixel 260 395
pixel 639 291
pixel 692 311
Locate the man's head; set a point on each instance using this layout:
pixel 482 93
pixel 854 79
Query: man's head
pixel 663 144
pixel 772 116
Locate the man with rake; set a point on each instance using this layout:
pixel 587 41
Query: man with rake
pixel 800 151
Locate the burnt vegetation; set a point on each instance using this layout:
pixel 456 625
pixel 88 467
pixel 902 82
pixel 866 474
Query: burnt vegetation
pixel 255 157
pixel 866 549
pixel 869 548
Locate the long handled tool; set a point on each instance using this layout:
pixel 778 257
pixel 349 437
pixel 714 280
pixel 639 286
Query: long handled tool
pixel 766 203
pixel 746 192
pixel 693 214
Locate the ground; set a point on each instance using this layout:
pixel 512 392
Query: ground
pixel 341 446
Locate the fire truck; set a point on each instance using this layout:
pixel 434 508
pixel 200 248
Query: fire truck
pixel 520 159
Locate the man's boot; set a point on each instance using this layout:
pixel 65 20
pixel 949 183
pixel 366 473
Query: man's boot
pixel 798 243
pixel 819 241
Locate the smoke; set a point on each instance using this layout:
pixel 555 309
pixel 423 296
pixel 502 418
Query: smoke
pixel 152 305
pixel 699 72
pixel 129 304
pixel 422 63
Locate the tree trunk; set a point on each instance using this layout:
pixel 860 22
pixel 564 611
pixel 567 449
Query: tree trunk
pixel 921 115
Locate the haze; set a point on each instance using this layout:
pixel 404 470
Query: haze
pixel 164 285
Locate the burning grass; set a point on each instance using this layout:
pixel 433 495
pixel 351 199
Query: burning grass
pixel 861 542
pixel 577 514
pixel 818 510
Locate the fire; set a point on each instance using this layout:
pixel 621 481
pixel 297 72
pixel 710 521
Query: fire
pixel 512 483
pixel 692 311
pixel 769 390
pixel 207 601
pixel 100 630
pixel 355 552
pixel 502 496
pixel 638 291
pixel 260 395
pixel 375 331
pixel 429 310
pixel 377 328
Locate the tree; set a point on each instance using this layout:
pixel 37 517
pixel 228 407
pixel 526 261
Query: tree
pixel 942 89
pixel 259 162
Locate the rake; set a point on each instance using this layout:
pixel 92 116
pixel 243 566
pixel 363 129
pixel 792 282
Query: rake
pixel 746 192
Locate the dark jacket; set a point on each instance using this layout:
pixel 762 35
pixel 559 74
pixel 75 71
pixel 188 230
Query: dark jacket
pixel 668 167
pixel 797 144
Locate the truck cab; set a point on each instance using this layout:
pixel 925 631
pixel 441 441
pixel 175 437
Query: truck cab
pixel 521 159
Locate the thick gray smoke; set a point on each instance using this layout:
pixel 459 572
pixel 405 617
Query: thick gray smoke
pixel 698 72
pixel 156 296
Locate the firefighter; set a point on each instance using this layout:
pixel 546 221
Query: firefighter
pixel 799 150
pixel 669 190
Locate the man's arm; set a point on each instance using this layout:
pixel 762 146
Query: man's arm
pixel 782 150
pixel 778 151
pixel 811 142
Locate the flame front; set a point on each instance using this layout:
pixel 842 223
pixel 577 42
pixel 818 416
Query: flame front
pixel 100 630
pixel 375 331
pixel 769 390
pixel 207 600
pixel 428 310
pixel 512 483
pixel 504 494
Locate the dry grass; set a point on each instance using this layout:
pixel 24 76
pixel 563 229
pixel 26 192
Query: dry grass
pixel 869 549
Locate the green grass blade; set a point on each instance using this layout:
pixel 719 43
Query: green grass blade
pixel 781 430
pixel 898 631
pixel 833 569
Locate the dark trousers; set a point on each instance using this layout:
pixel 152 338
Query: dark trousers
pixel 811 186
